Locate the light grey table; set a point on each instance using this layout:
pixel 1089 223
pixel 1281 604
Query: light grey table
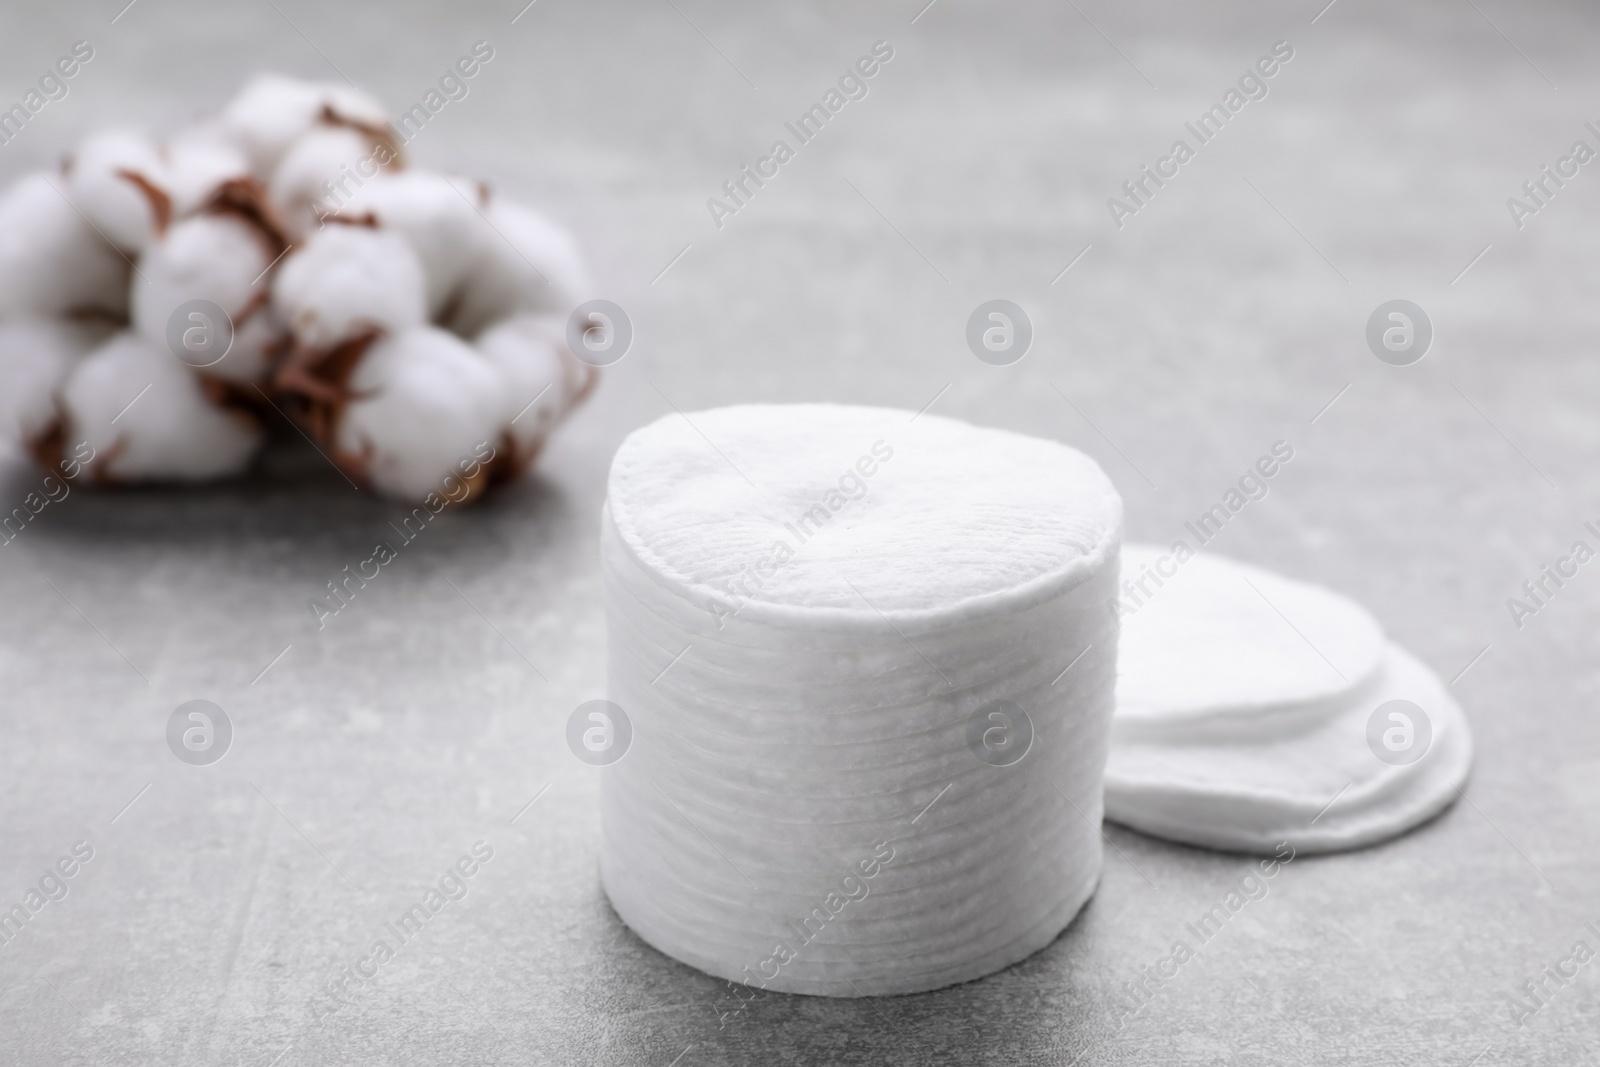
pixel 1227 314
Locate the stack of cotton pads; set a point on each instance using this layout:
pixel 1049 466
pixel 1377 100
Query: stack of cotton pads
pixel 1254 710
pixel 858 763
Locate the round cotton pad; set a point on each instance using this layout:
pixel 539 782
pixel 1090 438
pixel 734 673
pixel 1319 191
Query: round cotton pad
pixel 922 518
pixel 839 633
pixel 1321 786
pixel 1204 637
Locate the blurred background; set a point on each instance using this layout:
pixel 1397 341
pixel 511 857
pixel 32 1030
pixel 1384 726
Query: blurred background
pixel 1227 314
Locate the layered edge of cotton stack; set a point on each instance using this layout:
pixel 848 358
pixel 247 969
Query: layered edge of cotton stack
pixel 1270 745
pixel 801 809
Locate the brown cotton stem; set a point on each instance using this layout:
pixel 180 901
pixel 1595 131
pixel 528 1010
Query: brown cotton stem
pixel 160 202
pixel 379 133
pixel 320 380
pixel 46 446
pixel 246 199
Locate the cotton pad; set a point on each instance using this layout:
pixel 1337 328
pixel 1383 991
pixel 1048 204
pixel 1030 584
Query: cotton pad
pixel 1205 637
pixel 1321 787
pixel 858 765
pixel 1243 709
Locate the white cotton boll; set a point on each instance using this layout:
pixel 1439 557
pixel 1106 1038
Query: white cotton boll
pixel 439 215
pixel 544 381
pixel 352 105
pixel 51 260
pixel 117 178
pixel 257 345
pixel 36 355
pixel 272 112
pixel 208 257
pixel 305 184
pixel 199 160
pixel 269 114
pixel 349 280
pixel 147 418
pixel 217 258
pixel 427 404
pixel 528 264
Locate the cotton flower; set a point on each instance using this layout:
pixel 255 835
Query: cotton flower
pixel 409 323
pixel 147 417
pixel 426 403
pixel 438 215
pixel 304 187
pixel 528 264
pixel 260 341
pixel 199 161
pixel 36 356
pixel 544 381
pixel 52 261
pixel 346 287
pixel 346 281
pixel 222 257
pixel 117 179
pixel 272 112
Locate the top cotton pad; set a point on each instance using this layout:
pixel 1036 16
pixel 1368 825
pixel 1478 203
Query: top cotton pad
pixel 1205 637
pixel 839 634
pixel 880 513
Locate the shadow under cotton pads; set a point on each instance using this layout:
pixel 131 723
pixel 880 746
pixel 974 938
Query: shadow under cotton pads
pixel 859 762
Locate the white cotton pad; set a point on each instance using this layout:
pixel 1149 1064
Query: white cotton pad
pixel 1321 786
pixel 1206 638
pixel 857 766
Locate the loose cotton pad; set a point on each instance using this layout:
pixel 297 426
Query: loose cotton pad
pixel 1204 637
pixel 1276 741
pixel 858 764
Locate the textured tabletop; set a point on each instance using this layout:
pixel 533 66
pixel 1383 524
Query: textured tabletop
pixel 1175 340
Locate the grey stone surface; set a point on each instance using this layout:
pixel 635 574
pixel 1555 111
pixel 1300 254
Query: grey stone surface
pixel 1220 318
